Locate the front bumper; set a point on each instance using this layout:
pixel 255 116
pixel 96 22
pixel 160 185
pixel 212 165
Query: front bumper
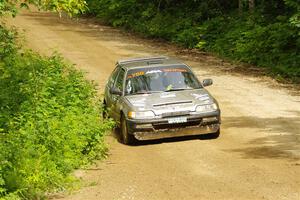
pixel 160 128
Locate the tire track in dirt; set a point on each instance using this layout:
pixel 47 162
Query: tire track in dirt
pixel 256 157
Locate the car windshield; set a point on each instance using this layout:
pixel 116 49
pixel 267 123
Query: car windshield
pixel 160 79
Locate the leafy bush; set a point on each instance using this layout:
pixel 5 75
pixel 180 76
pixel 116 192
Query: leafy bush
pixel 267 37
pixel 49 122
pixel 256 42
pixel 72 8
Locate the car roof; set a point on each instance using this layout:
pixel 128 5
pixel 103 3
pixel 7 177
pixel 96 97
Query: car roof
pixel 133 63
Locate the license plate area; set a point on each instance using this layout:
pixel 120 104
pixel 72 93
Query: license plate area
pixel 177 120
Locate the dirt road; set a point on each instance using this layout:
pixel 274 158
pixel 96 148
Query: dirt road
pixel 256 157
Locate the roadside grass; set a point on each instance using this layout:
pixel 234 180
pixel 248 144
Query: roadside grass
pixel 50 122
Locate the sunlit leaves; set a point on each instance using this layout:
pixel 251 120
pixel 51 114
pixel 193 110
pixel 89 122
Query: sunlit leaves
pixel 70 7
pixel 50 122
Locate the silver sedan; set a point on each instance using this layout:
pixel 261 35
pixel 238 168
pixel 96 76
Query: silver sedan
pixel 158 97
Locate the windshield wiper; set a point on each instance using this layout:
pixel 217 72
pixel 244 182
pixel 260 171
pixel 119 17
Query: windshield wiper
pixel 144 92
pixel 176 89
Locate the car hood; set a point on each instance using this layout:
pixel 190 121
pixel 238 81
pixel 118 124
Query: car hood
pixel 159 103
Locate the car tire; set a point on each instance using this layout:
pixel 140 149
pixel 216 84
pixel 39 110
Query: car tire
pixel 126 138
pixel 214 135
pixel 104 111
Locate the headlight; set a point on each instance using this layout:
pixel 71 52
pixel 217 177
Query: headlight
pixel 141 115
pixel 207 108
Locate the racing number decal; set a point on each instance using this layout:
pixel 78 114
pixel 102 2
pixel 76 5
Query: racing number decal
pixel 141 73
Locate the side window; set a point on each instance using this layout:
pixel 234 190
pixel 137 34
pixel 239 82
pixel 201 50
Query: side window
pixel 120 80
pixel 113 77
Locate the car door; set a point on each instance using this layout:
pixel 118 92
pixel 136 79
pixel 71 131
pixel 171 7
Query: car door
pixel 116 104
pixel 108 96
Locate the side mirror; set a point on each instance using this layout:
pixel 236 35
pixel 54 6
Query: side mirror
pixel 115 91
pixel 207 82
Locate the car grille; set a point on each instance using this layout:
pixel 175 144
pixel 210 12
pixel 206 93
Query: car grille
pixel 166 125
pixel 174 114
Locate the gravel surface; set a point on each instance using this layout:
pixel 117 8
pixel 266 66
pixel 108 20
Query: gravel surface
pixel 257 155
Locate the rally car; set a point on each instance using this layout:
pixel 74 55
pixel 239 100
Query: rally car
pixel 158 97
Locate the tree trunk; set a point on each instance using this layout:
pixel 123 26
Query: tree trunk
pixel 158 6
pixel 251 5
pixel 240 6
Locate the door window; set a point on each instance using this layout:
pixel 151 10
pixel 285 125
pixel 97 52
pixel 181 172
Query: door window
pixel 120 80
pixel 113 76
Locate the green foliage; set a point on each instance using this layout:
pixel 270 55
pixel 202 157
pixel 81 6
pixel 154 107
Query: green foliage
pixel 71 7
pixel 267 37
pixel 252 40
pixel 50 122
pixel 7 7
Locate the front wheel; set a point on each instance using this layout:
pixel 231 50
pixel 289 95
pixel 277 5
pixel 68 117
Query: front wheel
pixel 126 138
pixel 214 135
pixel 104 111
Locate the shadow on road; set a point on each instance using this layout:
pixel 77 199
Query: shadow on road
pixel 116 135
pixel 121 39
pixel 280 136
pixel 91 29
